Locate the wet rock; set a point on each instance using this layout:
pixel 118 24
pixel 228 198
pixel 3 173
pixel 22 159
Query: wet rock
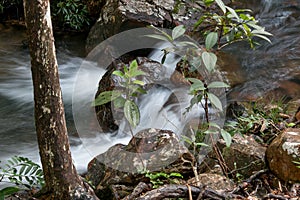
pixel 109 117
pixel 150 149
pixel 281 154
pixel 245 156
pixel 120 15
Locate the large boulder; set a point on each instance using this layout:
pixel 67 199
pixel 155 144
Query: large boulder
pixel 120 15
pixel 149 150
pixel 282 154
pixel 245 156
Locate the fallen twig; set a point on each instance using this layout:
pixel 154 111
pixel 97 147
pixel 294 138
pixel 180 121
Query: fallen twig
pixel 274 196
pixel 138 190
pixel 246 183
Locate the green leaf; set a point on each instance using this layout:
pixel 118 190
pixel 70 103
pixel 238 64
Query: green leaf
pixel 227 137
pixel 118 73
pixel 188 43
pixel 132 113
pixel 106 97
pixel 213 124
pixel 187 139
pixel 261 31
pixel 232 11
pixel 215 101
pixel 263 37
pixel 22 169
pixel 138 82
pixel 217 84
pixel 166 35
pixel 133 65
pixel 159 37
pixel 221 5
pixel 8 191
pixel 15 160
pixel 175 174
pixel 178 31
pixel 210 40
pixel 201 144
pixel 209 60
pixel 197 86
pixel 28 169
pixel 194 80
pixel 136 72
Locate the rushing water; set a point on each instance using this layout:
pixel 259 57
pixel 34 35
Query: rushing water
pixel 272 68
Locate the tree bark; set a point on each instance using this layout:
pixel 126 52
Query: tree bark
pixel 61 178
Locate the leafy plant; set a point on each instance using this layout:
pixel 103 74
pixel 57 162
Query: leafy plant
pixel 125 98
pixel 230 26
pixel 160 178
pixel 199 89
pixel 7 191
pixel 71 13
pixel 22 172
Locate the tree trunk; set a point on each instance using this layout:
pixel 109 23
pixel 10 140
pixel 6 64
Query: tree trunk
pixel 61 178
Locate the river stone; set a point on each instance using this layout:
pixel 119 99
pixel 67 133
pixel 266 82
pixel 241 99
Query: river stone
pixel 120 15
pixel 109 117
pixel 245 156
pixel 160 150
pixel 281 154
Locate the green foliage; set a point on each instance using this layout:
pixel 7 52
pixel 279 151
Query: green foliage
pixel 7 191
pixel 22 172
pixel 230 26
pixel 160 178
pixel 71 13
pixel 261 120
pixel 125 98
pixel 297 163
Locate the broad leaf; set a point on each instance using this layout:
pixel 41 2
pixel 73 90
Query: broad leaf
pixel 215 101
pixel 106 97
pixel 136 72
pixel 217 84
pixel 199 86
pixel 227 137
pixel 119 102
pixel 178 31
pixel 118 73
pixel 133 65
pixel 209 60
pixel 132 113
pixel 210 40
pixel 221 5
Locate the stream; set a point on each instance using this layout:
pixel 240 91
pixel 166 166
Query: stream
pixel 270 69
